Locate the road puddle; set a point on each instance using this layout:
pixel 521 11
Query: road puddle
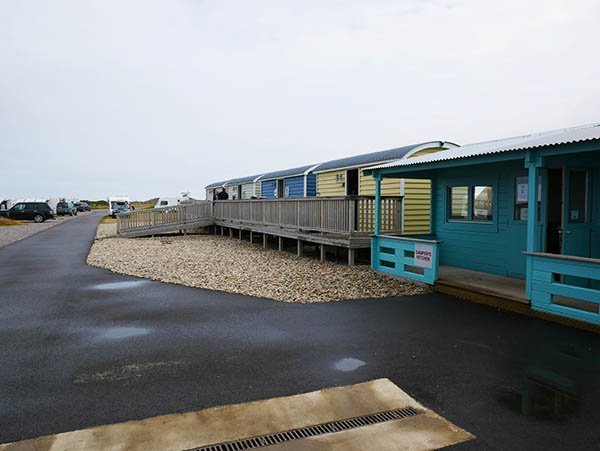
pixel 117 333
pixel 348 364
pixel 118 285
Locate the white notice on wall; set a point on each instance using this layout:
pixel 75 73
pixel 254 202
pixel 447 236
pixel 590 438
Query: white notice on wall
pixel 423 255
pixel 522 192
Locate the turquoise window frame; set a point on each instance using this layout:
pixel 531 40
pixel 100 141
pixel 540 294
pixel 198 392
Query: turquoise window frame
pixel 471 224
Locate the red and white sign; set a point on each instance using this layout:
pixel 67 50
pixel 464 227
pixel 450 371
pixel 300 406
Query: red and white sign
pixel 423 255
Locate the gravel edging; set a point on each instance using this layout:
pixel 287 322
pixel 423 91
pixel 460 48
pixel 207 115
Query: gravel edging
pixel 225 264
pixel 12 234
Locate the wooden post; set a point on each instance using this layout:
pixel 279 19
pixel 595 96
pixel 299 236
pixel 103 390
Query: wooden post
pixel 532 163
pixel 230 232
pixel 265 240
pixel 351 256
pixel 322 253
pixel 299 248
pixel 280 244
pixel 240 234
pixel 222 230
pixel 251 237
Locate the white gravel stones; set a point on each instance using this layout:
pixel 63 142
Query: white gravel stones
pixel 106 230
pixel 10 234
pixel 225 264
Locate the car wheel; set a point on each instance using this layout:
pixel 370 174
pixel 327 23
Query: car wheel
pixel 38 218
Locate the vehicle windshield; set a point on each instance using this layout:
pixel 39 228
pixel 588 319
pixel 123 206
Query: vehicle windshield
pixel 62 204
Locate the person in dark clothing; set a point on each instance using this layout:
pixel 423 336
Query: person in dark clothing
pixel 223 195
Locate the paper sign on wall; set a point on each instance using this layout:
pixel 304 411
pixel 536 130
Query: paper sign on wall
pixel 423 255
pixel 522 192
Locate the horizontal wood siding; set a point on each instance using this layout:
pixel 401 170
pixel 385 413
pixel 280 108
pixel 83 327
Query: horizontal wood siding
pixel 232 191
pixel 268 189
pixel 248 190
pixel 294 187
pixel 257 187
pixel 328 185
pixel 311 185
pixel 417 202
pixel 389 187
pixel 495 247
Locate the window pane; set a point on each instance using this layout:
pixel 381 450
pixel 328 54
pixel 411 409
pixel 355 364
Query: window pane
pixel 577 196
pixel 521 198
pixel 482 203
pixel 459 202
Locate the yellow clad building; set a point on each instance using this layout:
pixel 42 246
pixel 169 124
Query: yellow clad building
pixel 344 177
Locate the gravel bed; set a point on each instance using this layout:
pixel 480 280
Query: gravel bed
pixel 106 230
pixel 225 264
pixel 10 234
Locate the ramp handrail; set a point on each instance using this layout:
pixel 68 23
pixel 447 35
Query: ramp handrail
pixel 343 215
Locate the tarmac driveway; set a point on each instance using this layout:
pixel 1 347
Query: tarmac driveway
pixel 80 346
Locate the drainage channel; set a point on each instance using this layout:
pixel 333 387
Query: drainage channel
pixel 311 431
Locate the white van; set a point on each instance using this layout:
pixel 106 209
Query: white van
pixel 114 200
pixel 172 201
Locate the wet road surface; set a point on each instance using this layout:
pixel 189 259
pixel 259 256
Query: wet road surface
pixel 80 346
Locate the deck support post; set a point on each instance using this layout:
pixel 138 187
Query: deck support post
pixel 377 228
pixel 300 248
pixel 230 232
pixel 222 230
pixel 532 162
pixel 323 256
pixel 280 243
pixel 351 256
pixel 251 237
pixel 240 234
pixel 265 240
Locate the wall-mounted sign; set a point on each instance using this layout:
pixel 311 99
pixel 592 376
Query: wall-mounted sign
pixel 423 255
pixel 522 192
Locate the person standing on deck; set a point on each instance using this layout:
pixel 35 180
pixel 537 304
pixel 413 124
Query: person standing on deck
pixel 223 195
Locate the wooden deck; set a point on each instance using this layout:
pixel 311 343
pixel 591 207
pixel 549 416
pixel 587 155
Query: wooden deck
pixel 346 222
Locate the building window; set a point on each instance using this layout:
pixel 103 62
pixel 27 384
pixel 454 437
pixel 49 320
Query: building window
pixel 459 202
pixel 482 203
pixel 522 197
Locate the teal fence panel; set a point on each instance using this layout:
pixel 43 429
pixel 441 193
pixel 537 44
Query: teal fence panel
pixel 565 286
pixel 412 258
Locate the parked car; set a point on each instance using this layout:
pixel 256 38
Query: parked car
pixel 82 206
pixel 36 211
pixel 119 207
pixel 66 208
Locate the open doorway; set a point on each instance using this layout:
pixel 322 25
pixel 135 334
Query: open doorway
pixel 280 192
pixel 352 182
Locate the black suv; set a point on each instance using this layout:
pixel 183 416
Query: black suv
pixel 38 211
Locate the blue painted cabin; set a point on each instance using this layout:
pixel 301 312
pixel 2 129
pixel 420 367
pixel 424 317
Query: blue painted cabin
pixel 481 218
pixel 290 183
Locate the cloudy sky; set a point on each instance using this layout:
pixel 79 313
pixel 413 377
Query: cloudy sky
pixel 152 98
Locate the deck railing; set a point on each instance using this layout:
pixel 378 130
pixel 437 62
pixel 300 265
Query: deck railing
pixel 347 215
pixel 180 215
pixel 412 258
pixel 565 285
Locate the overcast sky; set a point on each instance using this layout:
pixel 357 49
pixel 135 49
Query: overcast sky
pixel 151 98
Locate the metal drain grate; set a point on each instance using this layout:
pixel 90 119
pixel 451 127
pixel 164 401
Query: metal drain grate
pixel 312 431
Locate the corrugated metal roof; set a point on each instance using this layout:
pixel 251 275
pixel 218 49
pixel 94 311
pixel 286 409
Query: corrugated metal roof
pixel 215 185
pixel 378 157
pixel 287 172
pixel 241 180
pixel 535 140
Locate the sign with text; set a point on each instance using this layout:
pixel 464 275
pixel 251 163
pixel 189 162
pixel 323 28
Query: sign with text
pixel 423 255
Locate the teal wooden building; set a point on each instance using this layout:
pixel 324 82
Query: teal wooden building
pixel 526 208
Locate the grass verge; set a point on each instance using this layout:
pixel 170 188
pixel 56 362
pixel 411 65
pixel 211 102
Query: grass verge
pixel 9 222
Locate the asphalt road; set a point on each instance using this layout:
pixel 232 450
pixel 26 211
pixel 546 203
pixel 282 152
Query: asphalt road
pixel 80 346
